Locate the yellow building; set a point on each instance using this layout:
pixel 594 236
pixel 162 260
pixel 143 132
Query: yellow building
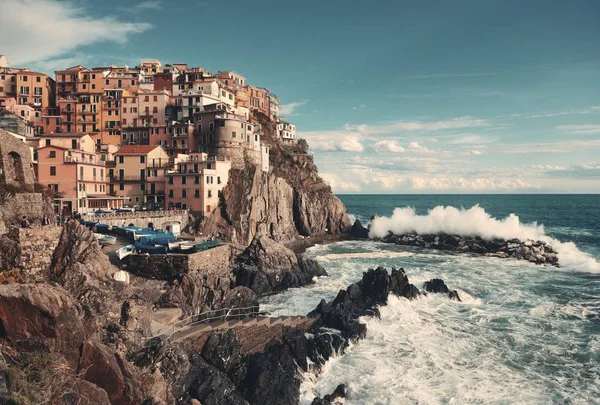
pixel 139 174
pixel 36 89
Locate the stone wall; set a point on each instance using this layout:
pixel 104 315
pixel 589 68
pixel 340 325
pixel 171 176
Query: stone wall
pixel 159 219
pixel 173 266
pixel 31 249
pixel 15 161
pixel 16 206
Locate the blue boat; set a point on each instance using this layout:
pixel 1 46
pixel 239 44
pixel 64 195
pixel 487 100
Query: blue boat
pixel 151 249
pixel 103 228
pixel 207 245
pixel 163 238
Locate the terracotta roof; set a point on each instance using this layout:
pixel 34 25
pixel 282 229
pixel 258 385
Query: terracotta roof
pixel 64 135
pixel 136 149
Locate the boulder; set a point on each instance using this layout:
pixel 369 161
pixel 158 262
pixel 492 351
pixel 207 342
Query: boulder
pixel 339 392
pixel 437 285
pixel 81 392
pixel 359 231
pixel 41 317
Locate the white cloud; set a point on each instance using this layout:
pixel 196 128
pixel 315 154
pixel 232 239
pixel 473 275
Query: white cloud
pixel 41 30
pixel 385 179
pixel 406 126
pixel 470 184
pixel 416 147
pixel 549 147
pixel 580 129
pixel 339 185
pixel 337 140
pixel 471 139
pixel 476 152
pixel 285 110
pixel 388 145
pixel 147 5
pixel 358 107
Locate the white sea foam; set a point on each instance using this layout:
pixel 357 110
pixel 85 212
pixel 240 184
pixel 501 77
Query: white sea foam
pixel 475 221
pixel 365 255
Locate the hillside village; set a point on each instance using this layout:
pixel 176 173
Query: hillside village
pixel 153 136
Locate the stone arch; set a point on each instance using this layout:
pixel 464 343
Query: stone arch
pixel 15 172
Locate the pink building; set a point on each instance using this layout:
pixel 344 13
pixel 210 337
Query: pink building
pixel 196 182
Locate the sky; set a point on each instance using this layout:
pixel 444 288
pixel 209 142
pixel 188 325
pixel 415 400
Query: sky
pixel 462 96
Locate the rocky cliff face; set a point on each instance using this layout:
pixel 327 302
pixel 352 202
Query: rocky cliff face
pixel 290 201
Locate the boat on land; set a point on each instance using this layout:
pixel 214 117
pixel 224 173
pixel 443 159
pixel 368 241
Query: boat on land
pixel 186 246
pixel 173 246
pixel 209 244
pixel 107 240
pixel 125 251
pixel 150 249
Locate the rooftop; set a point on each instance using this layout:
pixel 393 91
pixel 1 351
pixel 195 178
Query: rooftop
pixel 136 149
pixel 64 135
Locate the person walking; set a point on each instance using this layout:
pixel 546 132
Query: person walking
pixel 25 222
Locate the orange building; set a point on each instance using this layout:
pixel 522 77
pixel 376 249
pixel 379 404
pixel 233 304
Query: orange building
pixel 36 89
pixel 68 164
pixel 259 99
pixel 196 182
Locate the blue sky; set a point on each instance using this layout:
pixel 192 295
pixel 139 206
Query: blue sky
pixel 393 96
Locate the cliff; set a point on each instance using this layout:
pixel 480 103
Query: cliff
pixel 290 201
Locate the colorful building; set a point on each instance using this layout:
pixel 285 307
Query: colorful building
pixel 195 182
pixel 286 132
pixel 138 174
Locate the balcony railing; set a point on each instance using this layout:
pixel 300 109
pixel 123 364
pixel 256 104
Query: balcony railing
pixel 75 159
pixel 127 178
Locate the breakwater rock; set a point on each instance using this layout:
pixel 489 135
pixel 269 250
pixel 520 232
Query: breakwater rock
pixel 533 251
pixel 215 369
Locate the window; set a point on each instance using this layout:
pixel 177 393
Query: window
pixel 144 135
pixel 52 170
pixel 24 78
pixel 38 79
pixel 222 123
pixel 142 186
pixel 147 98
pixel 197 194
pixel 218 179
pixel 223 93
pixel 171 193
pixel 133 82
pixel 142 159
pixel 155 98
pixel 171 180
pixel 107 82
pixel 207 180
pixel 121 186
pixel 199 127
pixel 230 96
pixel 233 134
pixel 93 75
pixel 37 91
pixel 122 158
pixel 52 154
pixel 209 193
pixel 47 142
pixel 183 193
pixel 211 126
pixel 197 180
pixel 183 180
pixel 155 110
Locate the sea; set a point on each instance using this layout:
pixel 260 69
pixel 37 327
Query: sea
pixel 523 333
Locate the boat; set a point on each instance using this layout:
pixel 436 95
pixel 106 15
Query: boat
pixel 185 246
pixel 121 276
pixel 125 251
pixel 98 236
pixel 103 228
pixel 207 245
pixel 173 245
pixel 151 249
pixel 107 240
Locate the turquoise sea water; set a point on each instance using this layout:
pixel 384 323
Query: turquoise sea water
pixel 524 334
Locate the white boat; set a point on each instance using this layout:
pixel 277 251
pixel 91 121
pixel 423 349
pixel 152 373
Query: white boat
pixel 107 240
pixel 137 236
pixel 174 245
pixel 183 246
pixel 98 236
pixel 125 251
pixel 121 276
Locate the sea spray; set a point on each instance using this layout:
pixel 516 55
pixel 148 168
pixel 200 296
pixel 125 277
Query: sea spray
pixel 475 221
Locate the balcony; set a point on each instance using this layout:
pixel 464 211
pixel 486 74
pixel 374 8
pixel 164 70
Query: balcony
pixel 112 126
pixel 125 179
pixel 154 192
pixel 77 159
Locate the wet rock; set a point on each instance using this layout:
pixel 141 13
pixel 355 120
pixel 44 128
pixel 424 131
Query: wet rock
pixel 533 251
pixel 268 267
pixel 359 231
pixel 437 285
pixel 329 399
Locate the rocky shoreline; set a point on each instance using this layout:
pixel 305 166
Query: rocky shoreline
pixel 537 252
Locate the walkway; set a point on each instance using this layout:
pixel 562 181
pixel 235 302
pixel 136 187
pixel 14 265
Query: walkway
pixel 198 329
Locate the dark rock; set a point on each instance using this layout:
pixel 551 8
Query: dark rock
pixel 340 392
pixel 359 231
pixel 437 285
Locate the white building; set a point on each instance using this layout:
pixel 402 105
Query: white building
pixel 286 132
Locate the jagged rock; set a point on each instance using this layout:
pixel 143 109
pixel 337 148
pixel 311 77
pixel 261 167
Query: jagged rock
pixel 339 392
pixel 359 231
pixel 280 205
pixel 265 253
pixel 268 267
pixel 81 392
pixel 41 317
pixel 109 371
pixel 240 297
pixel 437 285
pixel 534 251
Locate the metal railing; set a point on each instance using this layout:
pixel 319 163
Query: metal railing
pixel 135 214
pixel 223 314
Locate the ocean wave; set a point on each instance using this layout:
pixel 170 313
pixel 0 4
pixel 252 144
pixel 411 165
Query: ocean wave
pixel 475 221
pixel 365 255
